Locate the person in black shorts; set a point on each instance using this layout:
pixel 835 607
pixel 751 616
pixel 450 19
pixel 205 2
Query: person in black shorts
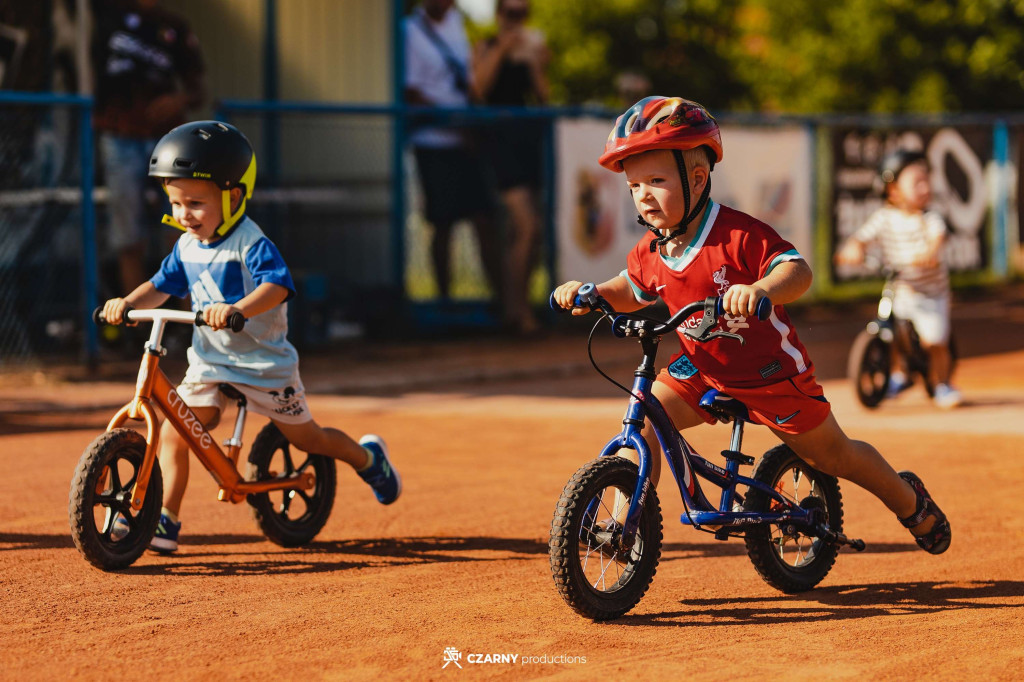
pixel 509 71
pixel 451 174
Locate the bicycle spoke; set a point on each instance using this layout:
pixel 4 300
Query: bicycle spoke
pixel 289 465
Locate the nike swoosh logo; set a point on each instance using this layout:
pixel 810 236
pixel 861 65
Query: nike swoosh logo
pixel 661 287
pixel 783 420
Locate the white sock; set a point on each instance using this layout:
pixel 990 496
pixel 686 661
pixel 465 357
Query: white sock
pixel 369 458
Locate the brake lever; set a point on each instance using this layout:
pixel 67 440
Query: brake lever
pixel 710 319
pixel 720 334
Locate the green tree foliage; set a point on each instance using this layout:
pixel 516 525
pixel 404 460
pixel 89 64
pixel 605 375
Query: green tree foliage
pixel 680 46
pixel 883 55
pixel 801 56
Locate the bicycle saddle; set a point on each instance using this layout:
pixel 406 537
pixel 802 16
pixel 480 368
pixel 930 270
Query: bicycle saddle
pixel 232 392
pixel 723 407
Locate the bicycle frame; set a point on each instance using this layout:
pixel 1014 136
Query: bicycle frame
pixel 686 465
pixel 153 387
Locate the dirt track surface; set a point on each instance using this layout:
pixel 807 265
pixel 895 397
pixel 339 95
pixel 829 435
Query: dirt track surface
pixel 460 560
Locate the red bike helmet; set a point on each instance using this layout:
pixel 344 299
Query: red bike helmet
pixel 671 123
pixel 661 123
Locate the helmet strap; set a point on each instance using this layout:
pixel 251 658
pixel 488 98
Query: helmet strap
pixel 230 219
pixel 227 223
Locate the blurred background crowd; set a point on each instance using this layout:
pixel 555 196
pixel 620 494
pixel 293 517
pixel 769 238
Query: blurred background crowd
pixel 430 166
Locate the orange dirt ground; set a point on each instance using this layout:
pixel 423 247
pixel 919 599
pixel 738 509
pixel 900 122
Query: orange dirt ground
pixel 461 561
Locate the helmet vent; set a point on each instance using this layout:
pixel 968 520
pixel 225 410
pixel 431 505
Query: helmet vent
pixel 184 163
pixel 202 134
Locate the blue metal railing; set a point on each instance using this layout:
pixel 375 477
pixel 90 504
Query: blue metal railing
pixel 1002 139
pixel 90 266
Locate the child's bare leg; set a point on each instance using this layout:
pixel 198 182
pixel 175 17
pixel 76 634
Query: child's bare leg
pixel 311 437
pixel 938 364
pixel 174 455
pixel 829 450
pixel 521 256
pixel 376 470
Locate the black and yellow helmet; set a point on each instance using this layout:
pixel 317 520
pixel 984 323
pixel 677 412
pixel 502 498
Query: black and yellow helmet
pixel 208 150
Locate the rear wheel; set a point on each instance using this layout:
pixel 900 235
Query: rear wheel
pixel 105 528
pixel 789 558
pixel 594 573
pixel 868 368
pixel 289 518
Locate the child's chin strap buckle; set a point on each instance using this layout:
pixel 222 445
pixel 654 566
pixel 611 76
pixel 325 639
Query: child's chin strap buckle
pixel 225 226
pixel 169 220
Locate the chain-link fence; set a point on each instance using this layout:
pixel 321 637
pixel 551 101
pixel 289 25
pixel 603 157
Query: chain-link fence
pixel 354 231
pixel 47 246
pixel 344 204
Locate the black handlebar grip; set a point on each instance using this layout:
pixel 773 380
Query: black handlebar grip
pixel 97 316
pixel 236 321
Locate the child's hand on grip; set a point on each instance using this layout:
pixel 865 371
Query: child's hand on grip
pixel 741 300
pixel 216 315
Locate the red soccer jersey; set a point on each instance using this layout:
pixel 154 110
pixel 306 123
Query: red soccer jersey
pixel 729 248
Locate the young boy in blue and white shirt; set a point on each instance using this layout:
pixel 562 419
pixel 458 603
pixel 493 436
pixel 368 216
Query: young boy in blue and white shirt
pixel 228 265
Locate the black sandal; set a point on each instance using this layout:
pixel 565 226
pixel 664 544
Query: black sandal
pixel 936 540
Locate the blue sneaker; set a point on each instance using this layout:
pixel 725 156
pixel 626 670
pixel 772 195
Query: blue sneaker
pixel 166 538
pixel 382 477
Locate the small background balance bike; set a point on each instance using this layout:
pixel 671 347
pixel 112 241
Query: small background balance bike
pixel 869 366
pixel 606 533
pixel 118 475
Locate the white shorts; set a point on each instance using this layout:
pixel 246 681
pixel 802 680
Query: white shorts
pixel 929 314
pixel 287 405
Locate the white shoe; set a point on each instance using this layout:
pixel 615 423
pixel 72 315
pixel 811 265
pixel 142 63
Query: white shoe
pixel 947 397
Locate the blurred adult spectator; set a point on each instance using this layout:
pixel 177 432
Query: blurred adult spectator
pixel 149 73
pixel 509 70
pixel 438 73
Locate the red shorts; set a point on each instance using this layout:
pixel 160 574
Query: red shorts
pixel 795 405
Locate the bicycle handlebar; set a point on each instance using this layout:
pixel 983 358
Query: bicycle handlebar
pixel 587 297
pixel 236 321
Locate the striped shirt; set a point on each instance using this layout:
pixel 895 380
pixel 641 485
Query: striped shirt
pixel 903 238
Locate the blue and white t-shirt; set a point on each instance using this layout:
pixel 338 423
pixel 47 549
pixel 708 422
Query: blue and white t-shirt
pixel 226 272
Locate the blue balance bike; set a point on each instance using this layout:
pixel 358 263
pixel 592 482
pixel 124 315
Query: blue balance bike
pixel 606 533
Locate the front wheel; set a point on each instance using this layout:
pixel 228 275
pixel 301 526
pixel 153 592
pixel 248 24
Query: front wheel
pixel 108 533
pixel 789 558
pixel 290 518
pixel 868 368
pixel 596 576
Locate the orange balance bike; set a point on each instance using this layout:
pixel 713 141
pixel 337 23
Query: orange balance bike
pixel 117 489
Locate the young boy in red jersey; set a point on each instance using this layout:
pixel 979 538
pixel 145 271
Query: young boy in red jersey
pixel 667 148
